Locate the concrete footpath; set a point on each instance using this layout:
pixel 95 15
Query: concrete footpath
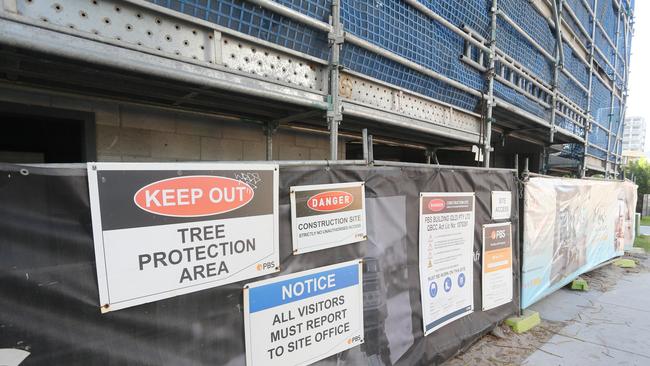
pixel 607 325
pixel 603 328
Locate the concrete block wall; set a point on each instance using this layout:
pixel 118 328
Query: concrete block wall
pixel 131 133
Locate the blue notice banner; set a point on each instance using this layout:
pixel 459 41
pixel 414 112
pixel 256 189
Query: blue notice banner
pixel 284 292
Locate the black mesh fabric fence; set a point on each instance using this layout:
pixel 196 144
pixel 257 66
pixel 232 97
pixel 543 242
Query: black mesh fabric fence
pixel 49 303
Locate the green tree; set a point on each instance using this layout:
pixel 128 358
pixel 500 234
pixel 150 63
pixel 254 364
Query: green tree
pixel 640 170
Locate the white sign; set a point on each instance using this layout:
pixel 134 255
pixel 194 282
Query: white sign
pixel 167 229
pixel 501 205
pixel 12 356
pixel 327 215
pixel 446 257
pixel 497 265
pixel 304 317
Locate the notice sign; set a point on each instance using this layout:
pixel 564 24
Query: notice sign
pixel 446 257
pixel 501 205
pixel 304 317
pixel 327 215
pixel 167 229
pixel 497 265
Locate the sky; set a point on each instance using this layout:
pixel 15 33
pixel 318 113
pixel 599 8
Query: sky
pixel 639 83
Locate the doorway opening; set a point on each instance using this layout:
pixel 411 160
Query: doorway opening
pixel 45 135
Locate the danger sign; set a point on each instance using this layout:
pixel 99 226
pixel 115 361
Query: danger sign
pixel 327 215
pixel 163 230
pixel 304 317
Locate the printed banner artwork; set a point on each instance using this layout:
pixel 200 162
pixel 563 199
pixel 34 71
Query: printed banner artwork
pixel 162 230
pixel 446 257
pixel 304 317
pixel 570 227
pixel 501 205
pixel 497 265
pixel 327 215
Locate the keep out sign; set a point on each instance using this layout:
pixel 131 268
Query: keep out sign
pixel 304 317
pixel 327 215
pixel 162 230
pixel 194 196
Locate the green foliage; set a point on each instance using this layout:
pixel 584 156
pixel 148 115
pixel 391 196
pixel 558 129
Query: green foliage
pixel 645 221
pixel 640 170
pixel 643 241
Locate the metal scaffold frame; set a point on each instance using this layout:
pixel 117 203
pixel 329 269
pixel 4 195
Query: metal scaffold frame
pixel 231 61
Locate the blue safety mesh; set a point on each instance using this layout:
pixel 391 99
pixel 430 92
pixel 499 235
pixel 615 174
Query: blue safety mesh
pixel 613 147
pixel 591 150
pixel 572 151
pixel 565 124
pixel 620 81
pixel 516 46
pixel 575 66
pixel 568 125
pixel 581 12
pixel 514 97
pixel 526 16
pixel 609 72
pixel 318 9
pixel 620 67
pixel 616 129
pixel 392 26
pixel 598 137
pixel 369 63
pixel 605 47
pixel 616 118
pixel 570 89
pixel 253 20
pixel 628 54
pixel 622 53
pixel 621 40
pixel 471 13
pixel 607 16
pixel 573 24
pixel 601 99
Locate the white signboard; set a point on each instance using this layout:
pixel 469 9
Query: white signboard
pixel 304 317
pixel 327 215
pixel 501 205
pixel 167 229
pixel 497 265
pixel 446 257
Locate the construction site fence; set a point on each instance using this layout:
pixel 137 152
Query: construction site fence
pixel 49 305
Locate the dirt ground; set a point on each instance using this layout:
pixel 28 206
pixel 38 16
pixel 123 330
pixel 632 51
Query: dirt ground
pixel 604 278
pixel 504 347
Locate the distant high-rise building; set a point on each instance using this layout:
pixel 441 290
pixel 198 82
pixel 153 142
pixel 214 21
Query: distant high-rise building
pixel 634 134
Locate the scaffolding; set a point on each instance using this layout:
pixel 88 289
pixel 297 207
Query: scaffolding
pixel 432 73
